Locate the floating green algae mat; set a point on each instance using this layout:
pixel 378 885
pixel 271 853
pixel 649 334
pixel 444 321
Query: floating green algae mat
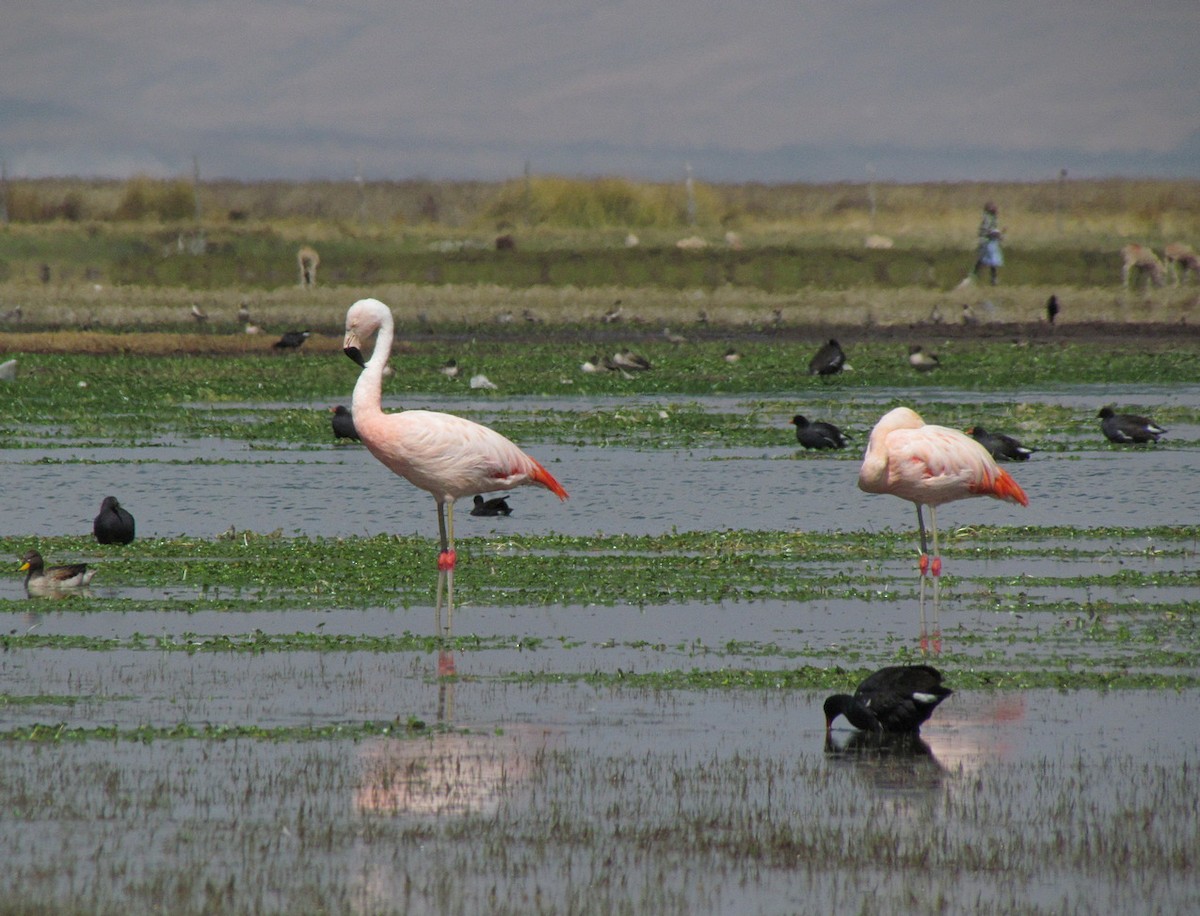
pixel 270 571
pixel 1114 612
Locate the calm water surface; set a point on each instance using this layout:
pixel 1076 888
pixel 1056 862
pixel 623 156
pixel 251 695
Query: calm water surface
pixel 117 824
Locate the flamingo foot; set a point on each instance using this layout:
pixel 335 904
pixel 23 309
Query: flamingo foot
pixel 936 566
pixel 446 560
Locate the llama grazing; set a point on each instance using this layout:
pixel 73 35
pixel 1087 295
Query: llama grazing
pixel 308 259
pixel 1180 259
pixel 1144 261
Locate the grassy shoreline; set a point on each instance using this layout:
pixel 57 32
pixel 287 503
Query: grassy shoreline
pixel 503 313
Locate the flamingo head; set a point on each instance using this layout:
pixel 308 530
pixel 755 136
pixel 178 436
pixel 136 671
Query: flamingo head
pixel 363 319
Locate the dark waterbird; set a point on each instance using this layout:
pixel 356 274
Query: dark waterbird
pixel 342 421
pixel 291 340
pixel 41 579
pixel 1052 309
pixel 829 360
pixel 817 434
pixel 894 700
pixel 497 505
pixel 114 525
pixel 1128 427
pixel 1000 446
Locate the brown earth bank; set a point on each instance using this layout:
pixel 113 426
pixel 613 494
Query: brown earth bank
pixel 160 343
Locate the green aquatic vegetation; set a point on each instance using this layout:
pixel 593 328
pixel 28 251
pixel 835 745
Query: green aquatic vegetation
pixel 272 571
pixel 1019 623
pixel 130 399
pixel 835 678
pixel 8 699
pixel 57 733
pixel 257 642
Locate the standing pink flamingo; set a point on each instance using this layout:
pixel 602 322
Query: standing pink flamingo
pixel 445 455
pixel 930 465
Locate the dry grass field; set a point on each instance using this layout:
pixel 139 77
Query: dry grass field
pixel 93 255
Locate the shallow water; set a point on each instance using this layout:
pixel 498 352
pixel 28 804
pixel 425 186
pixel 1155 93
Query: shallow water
pixel 385 824
pixel 565 797
pixel 342 491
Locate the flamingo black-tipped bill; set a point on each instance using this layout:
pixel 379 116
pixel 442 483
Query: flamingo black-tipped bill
pixel 356 355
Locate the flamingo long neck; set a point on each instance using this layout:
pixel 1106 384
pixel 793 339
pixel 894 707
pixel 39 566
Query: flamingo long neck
pixel 368 391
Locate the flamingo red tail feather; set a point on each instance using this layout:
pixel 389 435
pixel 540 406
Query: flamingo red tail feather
pixel 543 477
pixel 1004 487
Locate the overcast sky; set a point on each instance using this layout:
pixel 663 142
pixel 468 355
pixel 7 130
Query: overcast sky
pixel 763 90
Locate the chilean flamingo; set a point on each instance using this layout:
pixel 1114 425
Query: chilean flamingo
pixel 447 456
pixel 930 465
pixel 895 700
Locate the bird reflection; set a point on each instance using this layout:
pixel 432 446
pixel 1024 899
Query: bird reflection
pixel 929 642
pixel 453 772
pixel 886 761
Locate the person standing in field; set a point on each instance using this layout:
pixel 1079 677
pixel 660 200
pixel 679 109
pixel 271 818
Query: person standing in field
pixel 990 234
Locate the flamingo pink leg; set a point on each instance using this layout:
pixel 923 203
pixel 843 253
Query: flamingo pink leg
pixel 922 571
pixel 935 569
pixel 445 563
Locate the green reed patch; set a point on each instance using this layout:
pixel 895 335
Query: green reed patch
pixel 273 571
pixel 1076 621
pixel 835 678
pixel 57 733
pixel 130 399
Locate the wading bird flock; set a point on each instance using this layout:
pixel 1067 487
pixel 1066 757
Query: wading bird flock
pixel 451 457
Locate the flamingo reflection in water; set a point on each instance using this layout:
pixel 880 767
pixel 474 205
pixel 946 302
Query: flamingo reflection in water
pixel 904 764
pixel 447 456
pixel 930 465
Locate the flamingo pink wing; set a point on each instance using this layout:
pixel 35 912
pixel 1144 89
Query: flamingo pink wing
pixel 936 464
pixel 451 456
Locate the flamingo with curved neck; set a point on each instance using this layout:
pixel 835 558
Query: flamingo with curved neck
pixel 447 456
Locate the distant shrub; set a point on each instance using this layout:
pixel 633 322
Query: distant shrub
pixel 148 197
pixel 601 203
pixel 26 205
